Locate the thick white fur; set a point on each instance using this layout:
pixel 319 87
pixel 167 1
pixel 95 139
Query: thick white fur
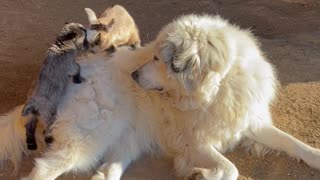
pixel 110 117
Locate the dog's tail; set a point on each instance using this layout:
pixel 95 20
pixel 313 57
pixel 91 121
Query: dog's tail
pixel 12 137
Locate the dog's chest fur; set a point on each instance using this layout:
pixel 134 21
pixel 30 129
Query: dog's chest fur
pixel 179 130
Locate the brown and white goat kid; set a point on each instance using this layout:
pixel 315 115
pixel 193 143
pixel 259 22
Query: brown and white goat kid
pixel 115 27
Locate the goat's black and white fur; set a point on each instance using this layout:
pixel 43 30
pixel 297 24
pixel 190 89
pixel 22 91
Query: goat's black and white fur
pixel 54 76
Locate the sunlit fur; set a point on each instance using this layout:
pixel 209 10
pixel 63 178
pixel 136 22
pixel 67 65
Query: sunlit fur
pixel 110 118
pixel 216 72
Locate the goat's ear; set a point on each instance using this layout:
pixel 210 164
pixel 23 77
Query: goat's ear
pixel 66 22
pixel 91 15
pixel 109 26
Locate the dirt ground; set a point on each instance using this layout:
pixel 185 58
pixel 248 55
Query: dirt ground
pixel 288 29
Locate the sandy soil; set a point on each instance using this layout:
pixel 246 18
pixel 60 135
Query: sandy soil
pixel 288 29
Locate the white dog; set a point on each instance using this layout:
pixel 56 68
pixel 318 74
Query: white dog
pixel 216 88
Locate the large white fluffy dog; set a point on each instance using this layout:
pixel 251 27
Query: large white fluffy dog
pixel 216 88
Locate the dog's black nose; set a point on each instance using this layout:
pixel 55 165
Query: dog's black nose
pixel 135 75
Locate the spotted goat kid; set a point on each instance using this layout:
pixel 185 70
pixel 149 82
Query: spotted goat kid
pixel 115 27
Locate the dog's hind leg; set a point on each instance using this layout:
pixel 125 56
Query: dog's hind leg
pixel 276 139
pixel 53 163
pixel 204 162
pixel 63 156
pixel 119 157
pixel 69 152
pixel 50 167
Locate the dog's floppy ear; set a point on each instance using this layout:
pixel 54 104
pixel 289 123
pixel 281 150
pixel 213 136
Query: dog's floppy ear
pixel 171 57
pixel 183 60
pixel 168 51
pixel 179 57
pixel 91 15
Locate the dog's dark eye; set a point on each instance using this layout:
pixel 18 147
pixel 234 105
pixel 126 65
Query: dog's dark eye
pixel 155 58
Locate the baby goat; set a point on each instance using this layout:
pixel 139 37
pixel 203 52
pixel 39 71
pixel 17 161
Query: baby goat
pixel 53 79
pixel 115 27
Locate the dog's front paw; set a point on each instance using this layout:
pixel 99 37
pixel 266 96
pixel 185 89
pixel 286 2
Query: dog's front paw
pixel 98 176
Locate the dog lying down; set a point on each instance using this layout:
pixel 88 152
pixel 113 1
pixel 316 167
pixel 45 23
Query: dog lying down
pixel 207 87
